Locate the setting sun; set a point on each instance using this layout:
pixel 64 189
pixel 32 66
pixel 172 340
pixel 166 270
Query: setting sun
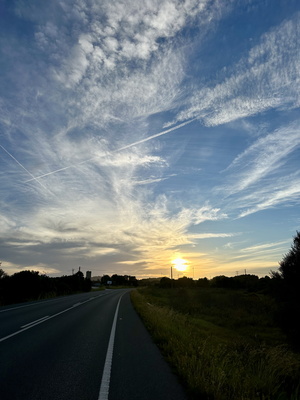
pixel 180 264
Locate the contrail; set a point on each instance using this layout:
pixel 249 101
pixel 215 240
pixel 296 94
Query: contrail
pixel 115 151
pixel 62 169
pixel 50 173
pixel 22 166
pixel 156 135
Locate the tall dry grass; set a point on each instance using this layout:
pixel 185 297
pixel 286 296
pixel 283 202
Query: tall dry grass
pixel 216 362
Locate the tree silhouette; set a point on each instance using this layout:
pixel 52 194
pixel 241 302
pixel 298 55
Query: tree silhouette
pixel 165 282
pixel 30 285
pixel 2 273
pixel 185 282
pixel 105 279
pixel 290 265
pixel 288 280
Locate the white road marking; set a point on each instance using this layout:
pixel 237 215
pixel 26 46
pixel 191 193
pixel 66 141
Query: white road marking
pixel 33 322
pixel 28 305
pixel 42 302
pixel 104 388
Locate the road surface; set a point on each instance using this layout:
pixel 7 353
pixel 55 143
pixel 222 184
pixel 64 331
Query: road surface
pixel 91 346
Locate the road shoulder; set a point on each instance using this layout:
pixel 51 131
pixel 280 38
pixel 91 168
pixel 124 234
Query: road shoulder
pixel 138 370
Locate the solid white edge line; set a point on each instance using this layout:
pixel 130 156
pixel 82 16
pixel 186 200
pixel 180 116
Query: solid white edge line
pixel 104 387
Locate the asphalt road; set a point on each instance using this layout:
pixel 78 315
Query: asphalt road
pixel 91 346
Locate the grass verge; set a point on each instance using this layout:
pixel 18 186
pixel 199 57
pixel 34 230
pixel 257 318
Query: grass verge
pixel 214 361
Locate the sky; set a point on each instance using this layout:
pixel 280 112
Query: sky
pixel 136 133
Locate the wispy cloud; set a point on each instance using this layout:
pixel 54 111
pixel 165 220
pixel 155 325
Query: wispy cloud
pixel 264 247
pixel 268 78
pixel 117 32
pixel 210 235
pixel 121 62
pixel 264 157
pixel 263 175
pixel 267 254
pixel 287 191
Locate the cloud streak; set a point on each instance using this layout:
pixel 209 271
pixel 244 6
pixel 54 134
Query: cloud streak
pixel 264 156
pixel 268 78
pixel 254 179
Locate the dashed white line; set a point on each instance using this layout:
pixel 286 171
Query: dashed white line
pixel 28 305
pixel 33 322
pixel 43 302
pixel 40 321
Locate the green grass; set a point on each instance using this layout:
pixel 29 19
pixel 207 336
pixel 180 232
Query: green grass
pixel 222 344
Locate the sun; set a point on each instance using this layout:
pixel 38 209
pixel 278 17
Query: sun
pixel 180 264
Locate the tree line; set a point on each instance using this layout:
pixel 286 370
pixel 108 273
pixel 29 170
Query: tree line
pixel 248 281
pixel 119 280
pixel 31 285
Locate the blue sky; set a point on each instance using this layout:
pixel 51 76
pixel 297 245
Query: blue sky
pixel 134 133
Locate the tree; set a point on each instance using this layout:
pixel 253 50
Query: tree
pixel 165 282
pixel 288 295
pixel 221 281
pixel 4 279
pixel 119 280
pixel 290 265
pixel 105 279
pixel 202 282
pixel 2 273
pixel 24 286
pixel 185 282
pixel 133 281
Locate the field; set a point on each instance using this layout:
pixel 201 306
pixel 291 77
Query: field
pixel 223 344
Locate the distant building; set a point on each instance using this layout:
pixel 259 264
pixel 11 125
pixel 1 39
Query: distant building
pixel 88 274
